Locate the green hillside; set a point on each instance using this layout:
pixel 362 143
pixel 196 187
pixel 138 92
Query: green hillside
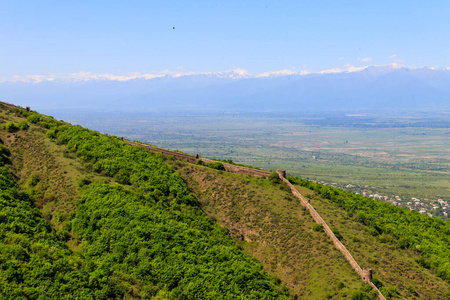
pixel 86 216
pixel 271 225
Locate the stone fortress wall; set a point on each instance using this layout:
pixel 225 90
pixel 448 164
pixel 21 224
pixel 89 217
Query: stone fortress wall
pixel 12 106
pixel 366 274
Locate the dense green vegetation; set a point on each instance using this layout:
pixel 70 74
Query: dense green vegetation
pixel 430 237
pixel 34 263
pixel 139 235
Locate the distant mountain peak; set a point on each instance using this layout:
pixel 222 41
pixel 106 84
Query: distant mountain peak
pixel 234 74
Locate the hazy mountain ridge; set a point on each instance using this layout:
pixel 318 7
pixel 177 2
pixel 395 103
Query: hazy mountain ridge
pixel 372 88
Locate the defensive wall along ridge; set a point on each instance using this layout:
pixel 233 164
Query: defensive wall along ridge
pixel 366 274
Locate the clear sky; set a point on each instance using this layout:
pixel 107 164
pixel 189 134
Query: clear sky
pixel 121 37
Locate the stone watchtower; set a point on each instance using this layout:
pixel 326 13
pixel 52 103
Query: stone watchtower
pixel 367 275
pixel 281 173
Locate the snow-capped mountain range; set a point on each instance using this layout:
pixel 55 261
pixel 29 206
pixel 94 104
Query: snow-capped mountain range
pixel 367 88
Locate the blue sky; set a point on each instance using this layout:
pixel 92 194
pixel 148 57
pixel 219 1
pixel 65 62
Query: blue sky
pixel 121 37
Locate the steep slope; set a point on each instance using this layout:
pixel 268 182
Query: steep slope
pixel 389 234
pixel 393 266
pixel 272 226
pixel 137 234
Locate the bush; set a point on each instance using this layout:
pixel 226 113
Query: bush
pixel 358 295
pixel 49 122
pixel 377 282
pixel 337 233
pixel 373 231
pixel 412 290
pixel 83 181
pixel 51 133
pixel 23 125
pixel 4 151
pixel 11 127
pixel 33 180
pixel 274 178
pixel 317 227
pixel 33 118
pixel 122 176
pixel 217 166
pixel 361 218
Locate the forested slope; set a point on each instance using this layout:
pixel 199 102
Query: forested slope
pixel 133 230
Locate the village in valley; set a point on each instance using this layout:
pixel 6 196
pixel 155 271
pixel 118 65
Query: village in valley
pixel 432 207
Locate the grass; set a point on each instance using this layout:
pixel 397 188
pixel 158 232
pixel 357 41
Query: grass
pixel 271 225
pixel 394 267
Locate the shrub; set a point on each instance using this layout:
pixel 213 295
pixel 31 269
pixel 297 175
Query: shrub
pixel 337 233
pixel 60 217
pixel 123 177
pixel 373 231
pixel 217 166
pixel 33 180
pixel 377 282
pixel 361 218
pixel 83 181
pixel 11 127
pixel 358 295
pixel 317 227
pixel 33 118
pixel 23 125
pixel 51 134
pixel 49 122
pixel 4 150
pixel 274 178
pixel 411 289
